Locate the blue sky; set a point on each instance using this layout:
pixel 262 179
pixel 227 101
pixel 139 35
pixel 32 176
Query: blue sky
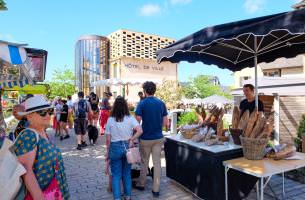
pixel 55 25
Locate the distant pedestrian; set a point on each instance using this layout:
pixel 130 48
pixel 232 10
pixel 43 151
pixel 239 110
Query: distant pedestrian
pixel 153 114
pixel 105 110
pixel 64 121
pixel 70 112
pixel 119 137
pixel 141 95
pixel 94 103
pixel 58 107
pixel 81 109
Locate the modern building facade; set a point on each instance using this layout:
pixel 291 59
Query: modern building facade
pixel 91 63
pixel 125 55
pixel 133 57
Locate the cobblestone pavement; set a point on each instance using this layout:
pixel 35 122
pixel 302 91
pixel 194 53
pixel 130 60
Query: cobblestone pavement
pixel 87 180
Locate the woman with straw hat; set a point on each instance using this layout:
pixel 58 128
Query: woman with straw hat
pixel 45 177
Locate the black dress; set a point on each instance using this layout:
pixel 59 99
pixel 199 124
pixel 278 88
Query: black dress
pixel 64 114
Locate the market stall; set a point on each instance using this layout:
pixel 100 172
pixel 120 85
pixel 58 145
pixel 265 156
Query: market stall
pixel 20 70
pixel 235 46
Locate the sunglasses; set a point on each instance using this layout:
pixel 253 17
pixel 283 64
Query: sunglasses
pixel 43 113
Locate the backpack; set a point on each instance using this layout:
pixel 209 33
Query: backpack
pixel 94 102
pixel 82 109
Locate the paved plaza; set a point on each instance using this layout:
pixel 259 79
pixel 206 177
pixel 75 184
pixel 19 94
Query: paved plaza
pixel 87 180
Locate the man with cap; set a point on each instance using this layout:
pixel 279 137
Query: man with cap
pixel 105 110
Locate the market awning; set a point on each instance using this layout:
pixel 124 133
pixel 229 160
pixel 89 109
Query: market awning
pixel 12 53
pixel 30 89
pixel 11 84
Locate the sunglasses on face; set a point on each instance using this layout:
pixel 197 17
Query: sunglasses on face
pixel 43 113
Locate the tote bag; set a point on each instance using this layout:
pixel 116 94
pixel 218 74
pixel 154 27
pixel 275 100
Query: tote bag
pixel 133 155
pixel 10 171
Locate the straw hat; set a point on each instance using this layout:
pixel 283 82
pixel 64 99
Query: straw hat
pixel 34 104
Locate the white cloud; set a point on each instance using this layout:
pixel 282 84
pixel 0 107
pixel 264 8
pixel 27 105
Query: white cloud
pixel 7 37
pixel 148 10
pixel 252 6
pixel 175 2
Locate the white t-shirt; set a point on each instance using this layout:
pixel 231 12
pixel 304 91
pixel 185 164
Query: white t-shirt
pixel 121 131
pixel 70 103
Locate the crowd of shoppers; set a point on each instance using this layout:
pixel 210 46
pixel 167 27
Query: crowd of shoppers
pixel 43 161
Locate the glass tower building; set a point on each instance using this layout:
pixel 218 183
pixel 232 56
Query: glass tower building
pixel 91 63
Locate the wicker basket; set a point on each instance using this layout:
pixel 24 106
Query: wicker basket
pixel 236 133
pixel 254 149
pixel 188 134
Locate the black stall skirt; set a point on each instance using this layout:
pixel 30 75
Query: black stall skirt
pixel 203 173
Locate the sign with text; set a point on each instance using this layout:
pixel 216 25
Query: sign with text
pixel 144 67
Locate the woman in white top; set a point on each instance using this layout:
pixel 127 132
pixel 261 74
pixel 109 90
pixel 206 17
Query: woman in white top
pixel 119 137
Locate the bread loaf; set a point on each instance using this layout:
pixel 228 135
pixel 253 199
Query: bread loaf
pixel 251 123
pixel 220 127
pixel 259 126
pixel 268 127
pixel 285 153
pixel 235 117
pixel 243 120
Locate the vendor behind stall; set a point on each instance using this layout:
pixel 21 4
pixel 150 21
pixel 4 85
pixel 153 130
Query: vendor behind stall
pixel 249 102
pixel 23 122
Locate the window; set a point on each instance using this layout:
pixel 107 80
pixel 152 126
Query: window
pixel 273 73
pixel 115 71
pixel 242 79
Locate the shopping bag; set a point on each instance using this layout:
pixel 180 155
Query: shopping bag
pixel 133 155
pixel 10 171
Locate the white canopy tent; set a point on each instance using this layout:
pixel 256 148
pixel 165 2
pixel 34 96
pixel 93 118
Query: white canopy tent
pixel 214 99
pixel 117 82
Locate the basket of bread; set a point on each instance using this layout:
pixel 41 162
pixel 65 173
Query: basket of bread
pixel 255 131
pixel 188 131
pixel 211 131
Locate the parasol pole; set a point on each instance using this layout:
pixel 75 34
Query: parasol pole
pixel 255 67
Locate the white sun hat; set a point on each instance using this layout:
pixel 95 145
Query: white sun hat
pixel 34 104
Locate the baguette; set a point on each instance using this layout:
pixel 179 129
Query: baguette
pixel 210 114
pixel 268 128
pixel 211 141
pixel 235 117
pixel 259 126
pixel 251 123
pixel 220 127
pixel 243 120
pixel 285 153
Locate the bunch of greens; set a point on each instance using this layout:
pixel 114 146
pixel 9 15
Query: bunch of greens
pixel 188 118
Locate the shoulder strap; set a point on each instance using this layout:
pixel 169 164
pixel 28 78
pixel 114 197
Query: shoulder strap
pixel 37 135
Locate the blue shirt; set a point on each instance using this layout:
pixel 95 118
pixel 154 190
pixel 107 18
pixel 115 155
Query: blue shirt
pixel 152 110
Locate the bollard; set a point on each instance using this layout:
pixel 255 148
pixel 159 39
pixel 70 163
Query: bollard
pixel 174 123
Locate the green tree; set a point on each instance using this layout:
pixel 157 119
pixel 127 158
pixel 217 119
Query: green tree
pixel 170 92
pixel 201 86
pixel 301 131
pixel 62 83
pixel 2 5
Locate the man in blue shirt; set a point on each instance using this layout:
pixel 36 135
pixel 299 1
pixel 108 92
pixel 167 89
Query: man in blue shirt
pixel 153 114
